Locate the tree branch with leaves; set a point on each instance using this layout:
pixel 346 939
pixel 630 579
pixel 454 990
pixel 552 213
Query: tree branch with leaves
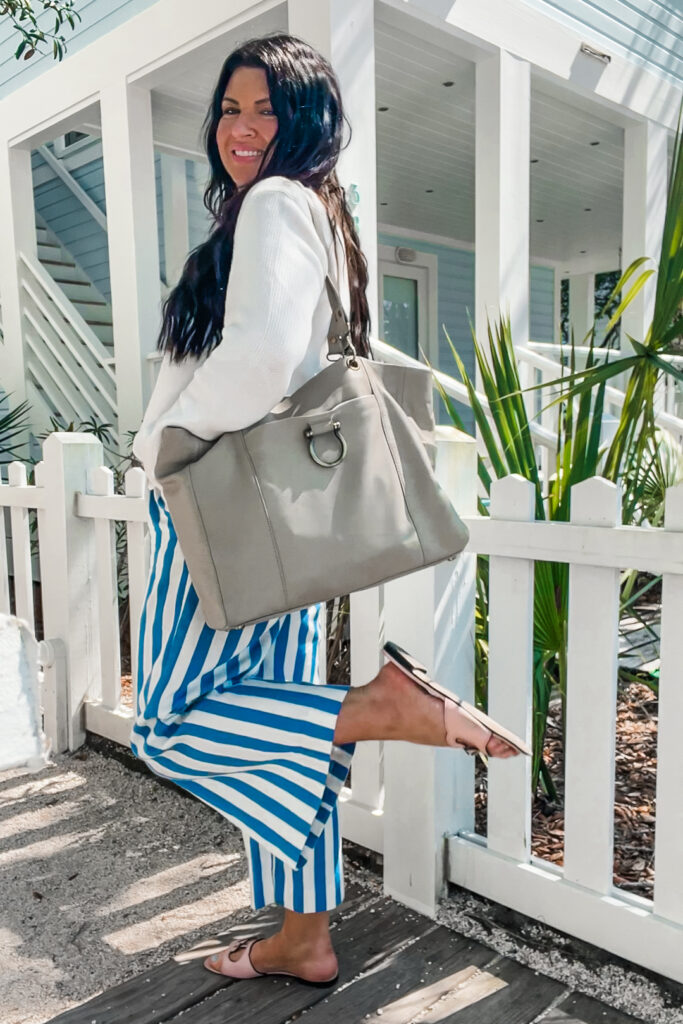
pixel 25 14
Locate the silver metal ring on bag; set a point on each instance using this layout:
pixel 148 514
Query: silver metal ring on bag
pixel 336 427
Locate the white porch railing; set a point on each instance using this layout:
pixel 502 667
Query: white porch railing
pixel 63 355
pixel 416 804
pixel 542 358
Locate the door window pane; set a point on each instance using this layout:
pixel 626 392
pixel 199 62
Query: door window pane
pixel 400 314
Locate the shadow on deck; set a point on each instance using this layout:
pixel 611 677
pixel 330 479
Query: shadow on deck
pixel 395 966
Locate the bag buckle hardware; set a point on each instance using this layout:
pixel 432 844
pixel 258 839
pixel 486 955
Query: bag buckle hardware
pixel 348 350
pixel 311 436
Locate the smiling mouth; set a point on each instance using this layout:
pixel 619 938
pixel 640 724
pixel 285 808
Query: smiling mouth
pixel 247 154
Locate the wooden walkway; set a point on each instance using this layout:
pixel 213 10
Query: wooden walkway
pixel 396 967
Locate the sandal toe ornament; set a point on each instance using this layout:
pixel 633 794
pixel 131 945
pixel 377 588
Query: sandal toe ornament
pixel 242 968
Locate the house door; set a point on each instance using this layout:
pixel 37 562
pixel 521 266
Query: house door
pixel 405 305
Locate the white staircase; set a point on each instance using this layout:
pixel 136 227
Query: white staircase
pixel 75 284
pixel 69 344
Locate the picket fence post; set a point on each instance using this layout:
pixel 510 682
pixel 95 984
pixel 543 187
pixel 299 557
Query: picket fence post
pixel 592 670
pixel 138 541
pixel 68 570
pixel 511 667
pixel 668 895
pixel 429 791
pixel 362 818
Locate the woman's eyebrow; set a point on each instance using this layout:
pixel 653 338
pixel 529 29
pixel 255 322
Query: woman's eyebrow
pixel 229 99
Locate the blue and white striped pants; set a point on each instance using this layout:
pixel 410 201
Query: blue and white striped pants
pixel 238 719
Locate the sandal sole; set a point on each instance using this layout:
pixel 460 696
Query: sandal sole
pixel 276 974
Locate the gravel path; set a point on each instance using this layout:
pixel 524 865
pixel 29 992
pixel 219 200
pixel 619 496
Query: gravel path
pixel 104 871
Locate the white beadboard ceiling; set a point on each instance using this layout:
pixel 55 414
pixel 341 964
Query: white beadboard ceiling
pixel 426 140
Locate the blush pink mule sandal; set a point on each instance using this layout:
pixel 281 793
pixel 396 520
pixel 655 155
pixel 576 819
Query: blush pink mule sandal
pixel 418 673
pixel 243 969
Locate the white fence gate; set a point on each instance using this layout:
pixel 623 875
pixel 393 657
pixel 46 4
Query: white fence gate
pixel 416 804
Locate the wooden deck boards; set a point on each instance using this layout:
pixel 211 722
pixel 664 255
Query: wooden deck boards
pixel 395 967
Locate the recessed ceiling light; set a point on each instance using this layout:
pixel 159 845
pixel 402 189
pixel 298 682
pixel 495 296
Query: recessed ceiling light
pixel 539 220
pixel 448 84
pixel 595 143
pixel 429 190
pixel 583 251
pixel 587 209
pixel 382 109
pixel 535 160
pixel 382 204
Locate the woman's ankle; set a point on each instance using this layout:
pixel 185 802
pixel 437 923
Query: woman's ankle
pixel 367 713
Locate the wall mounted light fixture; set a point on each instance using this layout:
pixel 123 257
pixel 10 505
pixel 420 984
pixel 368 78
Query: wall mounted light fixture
pixel 590 52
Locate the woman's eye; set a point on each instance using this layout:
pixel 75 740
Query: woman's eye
pixel 229 110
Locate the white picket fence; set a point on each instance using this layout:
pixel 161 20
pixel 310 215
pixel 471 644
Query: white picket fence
pixel 414 804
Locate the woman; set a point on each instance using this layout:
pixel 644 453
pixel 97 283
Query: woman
pixel 233 717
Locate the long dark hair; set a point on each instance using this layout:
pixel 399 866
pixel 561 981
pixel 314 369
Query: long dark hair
pixel 306 99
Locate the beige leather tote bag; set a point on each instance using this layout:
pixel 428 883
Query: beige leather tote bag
pixel 332 492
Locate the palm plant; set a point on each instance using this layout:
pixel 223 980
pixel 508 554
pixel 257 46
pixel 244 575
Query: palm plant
pixel 510 449
pixel 13 425
pixel 639 455
pixel 654 357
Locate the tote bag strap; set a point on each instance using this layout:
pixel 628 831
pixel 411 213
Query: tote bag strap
pixel 339 333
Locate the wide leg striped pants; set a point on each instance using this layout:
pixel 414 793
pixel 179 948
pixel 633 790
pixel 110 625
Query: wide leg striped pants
pixel 238 719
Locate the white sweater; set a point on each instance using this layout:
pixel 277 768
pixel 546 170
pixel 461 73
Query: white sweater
pixel 277 315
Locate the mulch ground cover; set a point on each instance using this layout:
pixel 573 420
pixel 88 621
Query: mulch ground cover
pixel 635 779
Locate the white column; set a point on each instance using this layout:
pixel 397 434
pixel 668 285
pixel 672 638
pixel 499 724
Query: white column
pixel 17 217
pixel 502 154
pixel 644 205
pixel 128 155
pixel 343 31
pixel 581 305
pixel 429 791
pixel 176 220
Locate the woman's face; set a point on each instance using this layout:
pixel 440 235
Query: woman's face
pixel 247 124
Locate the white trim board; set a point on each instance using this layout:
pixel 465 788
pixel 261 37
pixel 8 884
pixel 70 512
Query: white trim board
pixel 424 236
pixel 605 263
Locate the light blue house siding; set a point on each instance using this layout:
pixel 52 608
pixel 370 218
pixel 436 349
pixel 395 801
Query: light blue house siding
pixel 97 18
pixel 456 307
pixel 541 304
pixel 647 31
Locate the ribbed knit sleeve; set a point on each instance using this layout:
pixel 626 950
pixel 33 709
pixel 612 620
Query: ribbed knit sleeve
pixel 276 279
